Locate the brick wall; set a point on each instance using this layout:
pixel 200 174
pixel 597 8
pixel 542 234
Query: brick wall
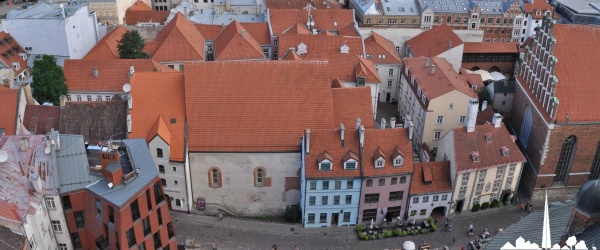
pixel 505 67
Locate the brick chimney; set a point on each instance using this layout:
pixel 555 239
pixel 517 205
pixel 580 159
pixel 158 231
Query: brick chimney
pixel 108 157
pixel 114 174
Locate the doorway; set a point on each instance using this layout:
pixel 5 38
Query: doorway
pixel 505 195
pixel 438 212
pixel 388 97
pixel 334 219
pixel 459 206
pixel 168 199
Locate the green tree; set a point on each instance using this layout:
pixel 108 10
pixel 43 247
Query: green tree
pixel 484 95
pixel 130 46
pixel 48 80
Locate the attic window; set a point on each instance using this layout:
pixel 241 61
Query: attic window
pixel 173 120
pixel 16 66
pixel 398 161
pixel 488 137
pixel 360 81
pixel 379 163
pixel 301 49
pixel 505 151
pixel 344 49
pixel 475 156
pixel 325 165
pixel 350 165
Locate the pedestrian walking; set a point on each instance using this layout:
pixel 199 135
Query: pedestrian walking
pixel 274 246
pixel 220 216
pixel 522 207
pixel 446 226
pixel 296 247
pixel 530 206
pixel 449 227
pixel 516 200
pixel 453 240
pixel 485 230
pixel 520 219
pixel 462 248
pixel 436 220
pixel 470 229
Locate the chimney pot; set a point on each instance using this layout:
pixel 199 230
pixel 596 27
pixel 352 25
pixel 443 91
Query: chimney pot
pixel 497 120
pixel 393 122
pixel 95 72
pixel 432 69
pixel 244 34
pixel 361 134
pixel 307 136
pixel 357 123
pixel 383 123
pixel 342 131
pixel 427 62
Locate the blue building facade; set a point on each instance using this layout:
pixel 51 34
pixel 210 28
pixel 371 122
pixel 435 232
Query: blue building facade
pixel 330 202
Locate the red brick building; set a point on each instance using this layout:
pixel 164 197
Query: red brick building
pixel 123 207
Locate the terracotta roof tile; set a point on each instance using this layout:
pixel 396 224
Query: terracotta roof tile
pixel 209 31
pixel 107 47
pixel 297 29
pixel 378 154
pixel 40 119
pixel 10 49
pixel 146 89
pixel 541 6
pixel 350 155
pixel 471 79
pixel 434 41
pixel 485 116
pixel 352 103
pixel 301 4
pixel 236 43
pixel 346 67
pixel 133 17
pixel 442 81
pixel 330 140
pixel 139 5
pixel 112 74
pixel 327 19
pixel 396 152
pixel 159 129
pixel 96 121
pixel 9 104
pixel 437 180
pixel 291 56
pixel 386 140
pixel 273 119
pixel 349 30
pixel 179 41
pixel 324 156
pixel 320 44
pixel 490 154
pixel 491 47
pixel 337 84
pixel 260 32
pixel 376 45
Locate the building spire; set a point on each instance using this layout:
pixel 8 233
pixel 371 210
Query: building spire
pixel 546 242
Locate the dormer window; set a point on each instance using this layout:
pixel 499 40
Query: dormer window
pixel 301 49
pixel 379 163
pixel 488 137
pixel 325 161
pixel 475 156
pixel 398 157
pixel 360 81
pixel 379 158
pixel 398 161
pixel 505 151
pixel 344 49
pixel 16 65
pixel 350 160
pixel 325 165
pixel 350 165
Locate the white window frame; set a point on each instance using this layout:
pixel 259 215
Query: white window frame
pixel 50 202
pixel 379 163
pixel 440 119
pixel 325 162
pixel 398 161
pixel 346 165
pixel 56 226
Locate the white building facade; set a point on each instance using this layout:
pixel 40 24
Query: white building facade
pixel 58 223
pixel 420 206
pixel 172 174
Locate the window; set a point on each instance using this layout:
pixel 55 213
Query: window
pixel 398 162
pixel 368 21
pixel 78 98
pixel 423 212
pixel 440 119
pixel 66 200
pixel 148 200
pixel 463 119
pixel 415 199
pixel 508 183
pixel 346 216
pixel 476 200
pixel 336 200
pixel 107 98
pixel 465 178
pixel 135 210
pixel 497 185
pixel 68 98
pixel 369 214
pixel 141 246
pixel 479 188
pixel 462 192
pixel 500 172
pixel 79 220
pixel 170 232
pixel 444 197
pixel 163 181
pixel 394 181
pixel 325 166
pixel 349 184
pixel 111 215
pixel 372 198
pixel 325 185
pixel 426 199
pixel 156 238
pixel 595 171
pixel 260 177
pixel 50 202
pixel 98 208
pixel 391 72
pixel 413 212
pixel 159 153
pixel 351 165
pixel 178 202
pixel 396 196
pixel 159 214
pixel 379 163
pixel 146 226
pixel 215 179
pixel 89 98
pixel 99 98
pixel 403 179
pixel 76 240
pixel 56 226
pixel 338 184
pixel 436 198
pixel 381 182
pixel 348 199
pixel 62 246
pixel 311 218
pixel 482 174
pixel 566 159
pixel 311 200
pixel 161 169
pixel 323 218
pixel 369 183
pixel 437 135
pixel 313 185
pixel 324 200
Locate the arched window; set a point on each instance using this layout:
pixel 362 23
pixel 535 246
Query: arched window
pixel 214 178
pixel 526 127
pixel 403 179
pixel 394 181
pixel 163 182
pixel 596 164
pixel 567 154
pixel 159 152
pixel 259 177
pixel 161 169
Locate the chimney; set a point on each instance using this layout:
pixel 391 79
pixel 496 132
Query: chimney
pixel 36 182
pixel 426 62
pixel 244 34
pixel 393 122
pixel 62 10
pixel 342 130
pixel 114 174
pixel 449 44
pixel 432 69
pixel 4 25
pixel 497 120
pixel 307 138
pixel 357 123
pixel 484 105
pixel 411 130
pixel 361 135
pixel 95 72
pixel 185 12
pixel 383 123
pixel 108 157
pixel 472 114
pixel 62 100
pixel 131 70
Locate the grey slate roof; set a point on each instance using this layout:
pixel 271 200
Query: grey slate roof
pixel 591 235
pixel 73 167
pixel 530 228
pixel 445 6
pixel 140 157
pixel 500 88
pixel 400 8
pixel 43 10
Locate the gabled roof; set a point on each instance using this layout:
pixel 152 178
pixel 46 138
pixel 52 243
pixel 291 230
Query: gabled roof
pixel 350 155
pixel 377 45
pixel 148 114
pixel 301 4
pixel 112 74
pixel 490 153
pixel 107 47
pixel 330 140
pixel 530 7
pixel 320 44
pixel 491 47
pixel 324 156
pixel 236 43
pixel 297 29
pixel 473 79
pixel 41 119
pixel 378 154
pixel 9 50
pixel 349 30
pixel 397 152
pixel 337 84
pixel 96 121
pixel 442 81
pixel 346 67
pixel 179 41
pixel 209 31
pixel 386 140
pixel 291 55
pixel 352 103
pixel 325 19
pixel 9 105
pixel 139 5
pixel 260 32
pixel 72 159
pixel 273 119
pixel 434 41
pixel 485 116
pixel 134 17
pixel 431 177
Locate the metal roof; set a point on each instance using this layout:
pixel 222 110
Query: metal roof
pixel 582 6
pixel 590 235
pixel 366 7
pixel 445 6
pixel 43 10
pixel 208 17
pixel 140 158
pixel 400 8
pixel 73 166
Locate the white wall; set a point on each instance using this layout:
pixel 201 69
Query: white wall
pixel 454 56
pixel 394 90
pixel 428 206
pixel 446 153
pixel 93 96
pixel 81 33
pixel 175 191
pixel 37 226
pixel 57 214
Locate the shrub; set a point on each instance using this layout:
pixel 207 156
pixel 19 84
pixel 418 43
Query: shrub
pixel 359 227
pixel 381 236
pixel 397 232
pixel 476 207
pixel 485 205
pixel 433 227
pixel 361 235
pixel 430 220
pixel 405 233
pixel 373 237
pixel 495 203
pixel 414 232
pixel 293 214
pixel 387 233
pixel 424 231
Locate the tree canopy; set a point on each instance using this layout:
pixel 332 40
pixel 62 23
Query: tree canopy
pixel 484 95
pixel 130 46
pixel 48 80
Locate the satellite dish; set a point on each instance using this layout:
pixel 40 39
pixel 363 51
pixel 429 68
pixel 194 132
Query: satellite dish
pixel 127 87
pixel 110 185
pixel 104 149
pixel 3 156
pixel 47 150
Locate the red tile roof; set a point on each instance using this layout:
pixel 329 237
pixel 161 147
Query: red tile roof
pixel 273 120
pixel 352 103
pixel 139 5
pixel 377 45
pixel 209 31
pixel 431 177
pixel 329 140
pixel 434 41
pixel 301 4
pixel 179 41
pixel 346 67
pixel 442 81
pixel 485 116
pixel 471 79
pixel 337 84
pixel 40 119
pixel 107 47
pixel 324 156
pixel 490 153
pixel 327 19
pixel 491 47
pixel 577 54
pixel 349 30
pixel 321 44
pixel 291 55
pixel 260 32
pixel 10 50
pixel 541 6
pixel 236 43
pixel 133 17
pixel 297 29
pixel 9 104
pixel 146 89
pixel 112 74
pixel 386 140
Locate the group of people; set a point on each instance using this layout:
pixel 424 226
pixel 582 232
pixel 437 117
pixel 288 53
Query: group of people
pixel 526 207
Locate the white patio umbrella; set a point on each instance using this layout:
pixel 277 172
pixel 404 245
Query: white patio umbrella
pixel 408 245
pixel 371 223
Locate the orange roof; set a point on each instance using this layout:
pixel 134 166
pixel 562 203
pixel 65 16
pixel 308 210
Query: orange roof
pixel 386 140
pixel 8 211
pixel 352 103
pixel 577 54
pixel 40 119
pixel 321 44
pixel 434 41
pixel 346 66
pixel 337 84
pixel 10 49
pixel 260 32
pixel 139 5
pixel 376 46
pixel 112 74
pixel 235 43
pixel 490 153
pixel 485 116
pixel 291 55
pixel 324 156
pixel 209 31
pixel 133 17
pixel 491 47
pixel 107 47
pixel 297 29
pixel 329 140
pixel 541 6
pixel 471 79
pixel 179 41
pixel 348 30
pixel 9 105
pixel 301 4
pixel 149 115
pixel 431 177
pixel 271 119
pixel 327 19
pixel 442 81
